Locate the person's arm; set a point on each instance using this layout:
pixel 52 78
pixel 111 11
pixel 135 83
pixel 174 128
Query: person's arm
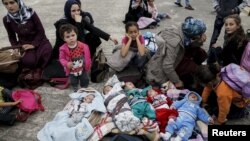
pixel 178 104
pixel 11 33
pixel 40 33
pixel 6 104
pixel 205 94
pixel 91 28
pixel 216 4
pixel 87 57
pixel 240 7
pixel 63 57
pixel 224 99
pixel 169 62
pixel 126 42
pixel 140 44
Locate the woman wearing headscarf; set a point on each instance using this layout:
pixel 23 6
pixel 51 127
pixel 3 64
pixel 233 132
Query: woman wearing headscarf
pixel 136 10
pixel 25 28
pixel 173 46
pixel 75 16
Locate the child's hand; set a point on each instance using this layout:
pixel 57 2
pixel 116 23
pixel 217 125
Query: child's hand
pixel 204 105
pixel 172 108
pixel 70 65
pixel 179 85
pixel 129 37
pixel 18 102
pixel 138 36
pixel 211 120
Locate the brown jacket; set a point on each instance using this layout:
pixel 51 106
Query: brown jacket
pixel 161 67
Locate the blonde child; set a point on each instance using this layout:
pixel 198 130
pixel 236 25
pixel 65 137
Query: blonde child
pixel 75 57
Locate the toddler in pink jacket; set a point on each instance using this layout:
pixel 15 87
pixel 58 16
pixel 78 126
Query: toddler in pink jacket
pixel 75 57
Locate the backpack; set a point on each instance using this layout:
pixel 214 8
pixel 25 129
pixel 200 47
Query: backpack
pixel 99 68
pixel 150 42
pixel 31 101
pixel 237 78
pixel 245 59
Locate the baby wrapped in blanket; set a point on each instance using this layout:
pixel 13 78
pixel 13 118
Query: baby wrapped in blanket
pixel 117 105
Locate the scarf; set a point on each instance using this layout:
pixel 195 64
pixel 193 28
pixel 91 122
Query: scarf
pixel 23 15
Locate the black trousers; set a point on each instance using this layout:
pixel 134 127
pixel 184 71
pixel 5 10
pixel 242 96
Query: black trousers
pixel 218 24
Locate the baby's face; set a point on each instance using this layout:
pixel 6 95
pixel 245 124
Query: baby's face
pixel 129 85
pixel 89 98
pixel 152 93
pixel 192 97
pixel 106 89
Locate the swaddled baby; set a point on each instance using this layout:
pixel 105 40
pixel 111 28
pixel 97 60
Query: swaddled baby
pixel 117 105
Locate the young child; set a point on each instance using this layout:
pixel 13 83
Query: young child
pixel 230 103
pixel 224 9
pixel 135 42
pixel 154 11
pixel 189 110
pixel 6 104
pixel 161 104
pixel 75 57
pixel 136 98
pixel 80 110
pixel 188 6
pixel 235 41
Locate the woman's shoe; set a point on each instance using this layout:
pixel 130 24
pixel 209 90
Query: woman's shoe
pixel 189 7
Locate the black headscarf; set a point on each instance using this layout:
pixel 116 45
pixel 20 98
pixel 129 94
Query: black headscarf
pixel 67 9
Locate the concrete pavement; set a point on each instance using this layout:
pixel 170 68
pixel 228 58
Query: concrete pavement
pixel 108 16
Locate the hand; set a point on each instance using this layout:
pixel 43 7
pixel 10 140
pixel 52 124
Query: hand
pixel 78 18
pixel 114 40
pixel 179 85
pixel 27 46
pixel 211 120
pixel 204 105
pixel 203 38
pixel 18 102
pixel 129 37
pixel 138 36
pixel 172 108
pixel 70 65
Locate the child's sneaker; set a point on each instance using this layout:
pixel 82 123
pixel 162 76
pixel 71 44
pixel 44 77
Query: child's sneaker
pixel 165 136
pixel 178 4
pixel 189 7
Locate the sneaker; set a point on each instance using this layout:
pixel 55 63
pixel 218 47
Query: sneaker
pixel 189 7
pixel 178 4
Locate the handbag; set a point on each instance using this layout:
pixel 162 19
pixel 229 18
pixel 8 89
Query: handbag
pixel 9 60
pixel 30 78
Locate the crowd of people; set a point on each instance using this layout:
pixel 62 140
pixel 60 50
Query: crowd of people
pixel 179 59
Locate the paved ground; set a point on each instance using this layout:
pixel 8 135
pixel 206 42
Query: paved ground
pixel 108 15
